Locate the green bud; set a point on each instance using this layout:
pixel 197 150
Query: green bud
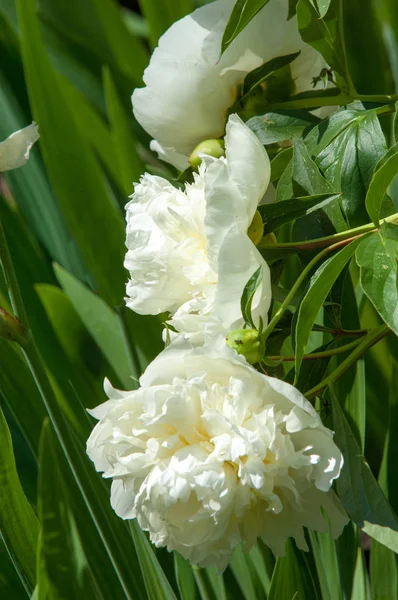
pixel 249 343
pixel 12 329
pixel 256 229
pixel 214 148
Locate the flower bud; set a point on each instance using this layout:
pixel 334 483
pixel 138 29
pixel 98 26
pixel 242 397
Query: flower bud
pixel 12 329
pixel 256 229
pixel 249 343
pixel 214 148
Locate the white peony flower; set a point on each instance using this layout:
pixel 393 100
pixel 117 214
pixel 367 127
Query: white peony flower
pixel 188 251
pixel 209 453
pixel 189 87
pixel 15 150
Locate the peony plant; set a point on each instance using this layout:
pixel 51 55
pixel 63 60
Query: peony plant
pixel 245 448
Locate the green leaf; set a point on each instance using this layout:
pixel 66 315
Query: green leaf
pixel 276 214
pixel 280 162
pixel 377 258
pixel 156 583
pixel 103 324
pixel 246 300
pixel 20 394
pixel 242 13
pixel 315 295
pixel 292 577
pixel 383 572
pixel 72 167
pixel 94 25
pixel 383 176
pixel 33 193
pixel 160 14
pixel 325 558
pixel 360 588
pixel 323 7
pixel 128 162
pixel 347 149
pixel 61 550
pixel 323 34
pixel 358 489
pixel 18 523
pixel 185 578
pixel 278 126
pixel 307 176
pixel 265 71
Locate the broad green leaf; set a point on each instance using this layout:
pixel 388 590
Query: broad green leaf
pixel 248 295
pixel 18 523
pixel 358 489
pixel 242 13
pixel 346 550
pixel 61 550
pixel 377 257
pixel 347 149
pixel 265 71
pixel 103 324
pixel 83 196
pixel 280 162
pixel 277 126
pixel 160 14
pixel 277 214
pixel 383 176
pixel 250 581
pixel 156 583
pixel 126 158
pixel 292 577
pixel 315 295
pixel 210 585
pixel 323 34
pixel 307 176
pixel 185 578
pixel 323 7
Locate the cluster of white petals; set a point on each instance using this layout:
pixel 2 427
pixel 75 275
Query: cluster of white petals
pixel 188 250
pixel 209 453
pixel 15 150
pixel 189 87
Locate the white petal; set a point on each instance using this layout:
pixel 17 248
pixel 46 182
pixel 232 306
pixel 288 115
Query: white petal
pixel 15 150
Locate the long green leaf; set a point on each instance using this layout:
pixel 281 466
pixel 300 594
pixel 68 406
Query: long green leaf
pixel 103 324
pixel 160 14
pixel 18 523
pixel 73 170
pixel 156 583
pixel 377 257
pixel 385 172
pixel 317 290
pixel 242 13
pixel 61 550
pixel 358 489
pixel 292 577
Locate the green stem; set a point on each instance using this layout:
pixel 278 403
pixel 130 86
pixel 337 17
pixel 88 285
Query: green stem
pixel 285 304
pixel 316 355
pixel 365 343
pixel 339 100
pixel 328 240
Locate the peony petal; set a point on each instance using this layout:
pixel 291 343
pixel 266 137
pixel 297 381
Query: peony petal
pixel 15 150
